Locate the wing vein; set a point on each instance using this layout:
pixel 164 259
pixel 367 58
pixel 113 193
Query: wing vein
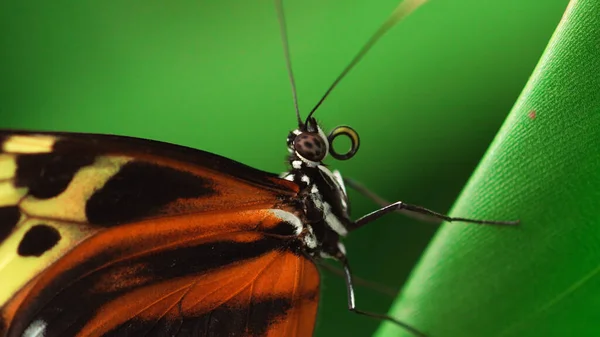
pixel 245 285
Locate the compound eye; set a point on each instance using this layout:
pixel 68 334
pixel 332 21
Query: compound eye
pixel 348 132
pixel 311 146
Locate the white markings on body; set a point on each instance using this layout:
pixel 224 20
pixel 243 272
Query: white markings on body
pixel 305 179
pixel 36 329
pixel 330 219
pixel 297 164
pixel 342 248
pixel 310 240
pixel 289 218
pixel 338 178
pixel 333 221
pixel 309 163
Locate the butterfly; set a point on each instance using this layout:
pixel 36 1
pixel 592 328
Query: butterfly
pixel 106 235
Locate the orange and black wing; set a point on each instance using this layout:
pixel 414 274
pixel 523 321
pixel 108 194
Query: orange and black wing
pixel 115 236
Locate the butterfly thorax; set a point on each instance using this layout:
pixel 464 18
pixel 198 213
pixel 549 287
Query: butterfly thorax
pixel 323 198
pixel 325 209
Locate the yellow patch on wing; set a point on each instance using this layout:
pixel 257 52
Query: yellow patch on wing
pixel 9 194
pixel 65 213
pixel 16 270
pixel 29 144
pixel 8 166
pixel 70 205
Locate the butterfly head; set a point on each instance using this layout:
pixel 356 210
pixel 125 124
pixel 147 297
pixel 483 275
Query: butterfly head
pixel 309 144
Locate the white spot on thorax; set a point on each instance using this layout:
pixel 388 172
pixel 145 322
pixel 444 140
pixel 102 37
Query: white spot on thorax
pixel 305 179
pixel 333 221
pixel 310 240
pixel 297 164
pixel 330 219
pixel 289 218
pixel 36 329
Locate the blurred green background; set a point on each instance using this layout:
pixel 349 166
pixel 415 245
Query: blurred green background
pixel 427 100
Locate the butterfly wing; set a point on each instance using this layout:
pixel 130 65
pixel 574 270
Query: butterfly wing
pixel 106 235
pixel 228 279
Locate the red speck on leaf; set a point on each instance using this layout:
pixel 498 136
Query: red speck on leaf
pixel 531 114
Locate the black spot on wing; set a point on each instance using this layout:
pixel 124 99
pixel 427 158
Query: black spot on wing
pixel 162 326
pixel 253 320
pixel 38 240
pixel 46 175
pixel 199 259
pixel 142 189
pixel 266 312
pixel 9 217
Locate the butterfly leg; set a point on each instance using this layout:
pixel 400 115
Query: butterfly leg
pixel 352 302
pixel 362 189
pixel 411 209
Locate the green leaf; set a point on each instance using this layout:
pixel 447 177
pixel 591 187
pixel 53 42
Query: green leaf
pixel 542 278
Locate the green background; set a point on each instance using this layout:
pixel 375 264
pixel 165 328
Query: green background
pixel 427 101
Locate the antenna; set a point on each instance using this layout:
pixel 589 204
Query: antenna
pixel 288 59
pixel 402 10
